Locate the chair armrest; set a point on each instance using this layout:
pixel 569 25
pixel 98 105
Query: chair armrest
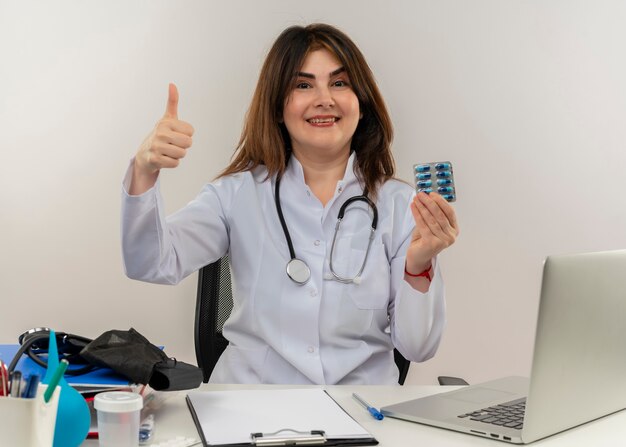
pixel 447 380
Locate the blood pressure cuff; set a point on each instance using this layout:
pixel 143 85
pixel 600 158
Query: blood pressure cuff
pixel 131 354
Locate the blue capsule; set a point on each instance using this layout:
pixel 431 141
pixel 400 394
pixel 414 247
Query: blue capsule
pixel 445 190
pixel 442 166
pixel 423 176
pixel 444 174
pixel 426 190
pixel 444 181
pixel 448 197
pixel 422 168
pixel 424 183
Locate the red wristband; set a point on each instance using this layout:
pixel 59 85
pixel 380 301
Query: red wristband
pixel 425 273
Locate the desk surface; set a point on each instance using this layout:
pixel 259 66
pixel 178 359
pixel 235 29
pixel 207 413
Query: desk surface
pixel 174 419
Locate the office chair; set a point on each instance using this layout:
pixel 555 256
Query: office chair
pixel 214 304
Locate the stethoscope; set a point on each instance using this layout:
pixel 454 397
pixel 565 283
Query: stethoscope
pixel 34 343
pixel 298 270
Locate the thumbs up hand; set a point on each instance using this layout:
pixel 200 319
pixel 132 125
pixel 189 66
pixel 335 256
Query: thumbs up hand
pixel 163 147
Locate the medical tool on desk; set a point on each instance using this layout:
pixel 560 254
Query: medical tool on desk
pixel 72 418
pixel 298 270
pixel 34 343
pixel 118 418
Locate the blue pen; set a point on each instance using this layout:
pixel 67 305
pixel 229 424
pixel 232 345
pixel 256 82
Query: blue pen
pixel 373 411
pixel 146 429
pixel 30 390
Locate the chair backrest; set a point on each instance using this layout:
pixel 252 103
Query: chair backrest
pixel 214 304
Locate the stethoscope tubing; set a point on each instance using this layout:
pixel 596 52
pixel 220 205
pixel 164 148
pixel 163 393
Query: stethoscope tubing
pixel 298 270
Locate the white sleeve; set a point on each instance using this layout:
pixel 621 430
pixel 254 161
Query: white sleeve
pixel 417 319
pixel 166 250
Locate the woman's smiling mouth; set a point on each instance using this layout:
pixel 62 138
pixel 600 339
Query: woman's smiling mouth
pixel 323 120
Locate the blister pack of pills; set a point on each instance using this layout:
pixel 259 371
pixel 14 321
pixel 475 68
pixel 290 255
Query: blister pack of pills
pixel 437 177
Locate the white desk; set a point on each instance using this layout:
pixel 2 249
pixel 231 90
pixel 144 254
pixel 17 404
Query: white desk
pixel 174 419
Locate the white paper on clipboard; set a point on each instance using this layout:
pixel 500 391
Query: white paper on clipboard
pixel 229 417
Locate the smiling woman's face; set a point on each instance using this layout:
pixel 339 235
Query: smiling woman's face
pixel 322 111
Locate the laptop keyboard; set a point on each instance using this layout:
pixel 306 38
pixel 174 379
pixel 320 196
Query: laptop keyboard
pixel 508 414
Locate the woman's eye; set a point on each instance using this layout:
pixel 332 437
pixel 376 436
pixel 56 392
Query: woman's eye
pixel 340 83
pixel 302 85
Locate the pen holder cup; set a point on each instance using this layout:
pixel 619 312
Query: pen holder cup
pixel 28 422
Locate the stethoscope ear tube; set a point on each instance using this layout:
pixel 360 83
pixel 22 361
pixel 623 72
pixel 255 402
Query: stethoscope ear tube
pixel 26 343
pixel 36 340
pixel 357 278
pixel 297 270
pixel 279 210
pixel 362 198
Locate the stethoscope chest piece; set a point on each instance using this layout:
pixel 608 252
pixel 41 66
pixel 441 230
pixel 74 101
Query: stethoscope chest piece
pixel 298 271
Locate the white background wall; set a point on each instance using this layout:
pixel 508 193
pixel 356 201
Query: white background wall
pixel 526 98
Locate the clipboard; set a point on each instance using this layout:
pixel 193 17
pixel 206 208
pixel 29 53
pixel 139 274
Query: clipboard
pixel 239 418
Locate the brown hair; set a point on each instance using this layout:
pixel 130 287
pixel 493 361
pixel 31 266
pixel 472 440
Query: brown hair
pixel 265 140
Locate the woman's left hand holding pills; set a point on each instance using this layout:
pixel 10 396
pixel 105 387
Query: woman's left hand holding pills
pixel 436 228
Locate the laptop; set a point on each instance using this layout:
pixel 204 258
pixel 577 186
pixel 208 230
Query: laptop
pixel 578 370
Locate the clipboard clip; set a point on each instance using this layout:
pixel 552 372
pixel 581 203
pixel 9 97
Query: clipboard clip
pixel 279 437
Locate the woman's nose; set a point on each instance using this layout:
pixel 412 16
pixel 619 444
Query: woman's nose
pixel 324 97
